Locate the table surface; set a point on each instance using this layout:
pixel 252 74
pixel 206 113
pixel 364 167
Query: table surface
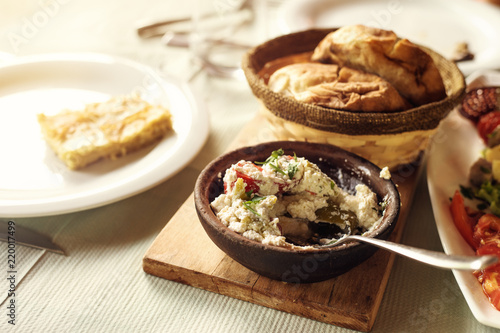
pixel 99 285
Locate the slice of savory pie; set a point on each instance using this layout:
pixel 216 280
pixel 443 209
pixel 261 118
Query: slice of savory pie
pixel 104 130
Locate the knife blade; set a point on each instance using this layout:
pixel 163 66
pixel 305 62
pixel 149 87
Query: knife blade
pixel 13 233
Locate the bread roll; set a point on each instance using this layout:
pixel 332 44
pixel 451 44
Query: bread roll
pixel 296 78
pixel 403 64
pixel 339 88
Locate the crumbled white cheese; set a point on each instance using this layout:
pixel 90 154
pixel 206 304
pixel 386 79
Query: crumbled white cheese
pixel 256 195
pixel 363 204
pixel 385 173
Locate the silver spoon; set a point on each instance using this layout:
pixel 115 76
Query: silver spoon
pixel 433 258
pixel 299 231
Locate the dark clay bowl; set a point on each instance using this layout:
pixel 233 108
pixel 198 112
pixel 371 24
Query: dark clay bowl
pixel 296 265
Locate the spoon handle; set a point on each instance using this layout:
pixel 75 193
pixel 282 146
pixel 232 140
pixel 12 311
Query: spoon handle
pixel 433 258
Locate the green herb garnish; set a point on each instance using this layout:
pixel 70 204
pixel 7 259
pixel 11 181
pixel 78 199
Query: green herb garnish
pixel 250 204
pixel 255 199
pixel 276 168
pixel 274 156
pixel 490 193
pixel 467 192
pixel 292 169
pixel 247 206
pixel 272 162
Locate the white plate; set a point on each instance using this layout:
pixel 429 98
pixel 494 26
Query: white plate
pixel 454 149
pixel 34 182
pixel 437 24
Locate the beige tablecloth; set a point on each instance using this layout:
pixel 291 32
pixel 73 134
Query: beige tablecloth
pixel 99 285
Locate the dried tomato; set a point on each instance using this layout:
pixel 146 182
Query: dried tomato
pixel 487 124
pixel 463 221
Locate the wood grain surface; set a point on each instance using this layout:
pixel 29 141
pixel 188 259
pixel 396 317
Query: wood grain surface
pixel 183 252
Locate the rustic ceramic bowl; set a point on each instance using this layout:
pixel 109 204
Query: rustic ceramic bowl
pixel 296 265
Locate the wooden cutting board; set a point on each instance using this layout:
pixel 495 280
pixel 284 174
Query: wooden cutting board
pixel 183 252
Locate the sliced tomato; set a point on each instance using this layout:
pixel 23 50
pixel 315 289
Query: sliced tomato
pixel 251 183
pixel 463 221
pixel 487 124
pixel 489 248
pixel 491 283
pixel 495 298
pixel 487 230
pixel 487 234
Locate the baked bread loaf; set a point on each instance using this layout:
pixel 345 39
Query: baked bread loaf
pixel 338 88
pixel 297 78
pixel 104 130
pixel 403 64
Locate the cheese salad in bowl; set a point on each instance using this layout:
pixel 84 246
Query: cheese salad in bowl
pixel 259 196
pixel 273 205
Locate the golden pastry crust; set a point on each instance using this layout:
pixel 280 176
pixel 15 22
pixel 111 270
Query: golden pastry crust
pixel 338 88
pixel 104 130
pixel 403 64
pixel 296 78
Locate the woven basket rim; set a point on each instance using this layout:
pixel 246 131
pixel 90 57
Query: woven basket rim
pixel 423 117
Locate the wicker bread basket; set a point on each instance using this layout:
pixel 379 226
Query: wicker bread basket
pixel 386 139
